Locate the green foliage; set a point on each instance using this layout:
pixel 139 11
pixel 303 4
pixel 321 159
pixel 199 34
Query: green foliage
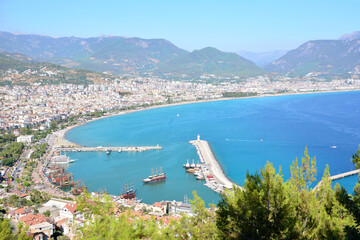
pixel 37 197
pixel 302 177
pixel 262 210
pixel 238 94
pixel 11 153
pixel 7 138
pixel 39 151
pixel 267 208
pixel 125 93
pixel 209 61
pixel 356 158
pixel 47 213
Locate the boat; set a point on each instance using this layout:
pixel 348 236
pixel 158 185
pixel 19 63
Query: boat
pixel 120 151
pixel 193 164
pixel 62 159
pixel 155 178
pixel 187 165
pixel 192 170
pixel 198 165
pixel 333 146
pixel 128 191
pixel 200 177
pixel 78 188
pixel 108 151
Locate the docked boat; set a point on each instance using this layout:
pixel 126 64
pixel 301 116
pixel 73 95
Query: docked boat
pixel 62 159
pixel 155 177
pixel 187 165
pixel 78 188
pixel 198 165
pixel 193 164
pixel 128 191
pixel 200 177
pixel 108 151
pixel 192 170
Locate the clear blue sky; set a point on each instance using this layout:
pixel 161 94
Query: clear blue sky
pixel 253 25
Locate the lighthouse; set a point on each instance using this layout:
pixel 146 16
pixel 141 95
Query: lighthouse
pixel 198 137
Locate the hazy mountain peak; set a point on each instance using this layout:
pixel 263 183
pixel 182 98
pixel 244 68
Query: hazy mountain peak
pixel 351 36
pixel 262 58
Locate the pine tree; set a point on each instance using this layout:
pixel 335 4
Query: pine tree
pixel 261 211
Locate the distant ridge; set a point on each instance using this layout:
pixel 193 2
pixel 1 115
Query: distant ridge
pixel 328 57
pixel 210 61
pixel 125 55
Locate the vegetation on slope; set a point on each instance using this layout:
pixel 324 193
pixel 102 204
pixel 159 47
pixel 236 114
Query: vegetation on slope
pixel 209 61
pixel 267 208
pixel 13 70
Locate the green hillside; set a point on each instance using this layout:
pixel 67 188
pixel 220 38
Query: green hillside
pixel 119 55
pixel 331 57
pixel 15 71
pixel 210 61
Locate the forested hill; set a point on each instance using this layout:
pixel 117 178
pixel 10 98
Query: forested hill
pixel 119 55
pixel 331 57
pixel 20 69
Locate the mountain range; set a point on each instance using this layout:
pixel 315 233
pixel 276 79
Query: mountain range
pixel 331 57
pixel 159 57
pixel 126 55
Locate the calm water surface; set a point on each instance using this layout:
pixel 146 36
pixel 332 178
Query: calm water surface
pixel 244 134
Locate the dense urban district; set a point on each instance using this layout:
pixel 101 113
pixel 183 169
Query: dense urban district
pixel 39 104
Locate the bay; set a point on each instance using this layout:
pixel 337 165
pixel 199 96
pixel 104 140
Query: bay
pixel 244 134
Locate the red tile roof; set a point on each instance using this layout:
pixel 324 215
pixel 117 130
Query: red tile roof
pixel 23 210
pixel 157 204
pixel 71 207
pixel 31 219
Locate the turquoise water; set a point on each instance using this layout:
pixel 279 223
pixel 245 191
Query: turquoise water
pixel 244 134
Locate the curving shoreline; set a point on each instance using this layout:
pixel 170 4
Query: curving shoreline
pixel 62 135
pixel 64 131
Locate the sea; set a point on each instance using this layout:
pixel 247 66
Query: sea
pixel 244 135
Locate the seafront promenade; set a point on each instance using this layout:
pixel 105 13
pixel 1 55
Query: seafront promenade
pixel 103 149
pixel 207 157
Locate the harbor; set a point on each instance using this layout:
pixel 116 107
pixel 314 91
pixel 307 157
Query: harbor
pixel 107 149
pixel 209 168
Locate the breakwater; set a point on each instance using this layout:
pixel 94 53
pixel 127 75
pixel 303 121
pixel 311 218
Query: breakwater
pixel 339 176
pixel 214 174
pixel 346 174
pixel 104 149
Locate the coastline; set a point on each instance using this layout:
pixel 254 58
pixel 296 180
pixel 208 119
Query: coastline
pixel 62 136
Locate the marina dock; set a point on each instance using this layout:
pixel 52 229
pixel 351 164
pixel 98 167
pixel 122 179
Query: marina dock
pixel 104 149
pixel 207 157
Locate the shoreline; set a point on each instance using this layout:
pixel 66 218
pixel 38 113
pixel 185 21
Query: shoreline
pixel 62 137
pixel 63 132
